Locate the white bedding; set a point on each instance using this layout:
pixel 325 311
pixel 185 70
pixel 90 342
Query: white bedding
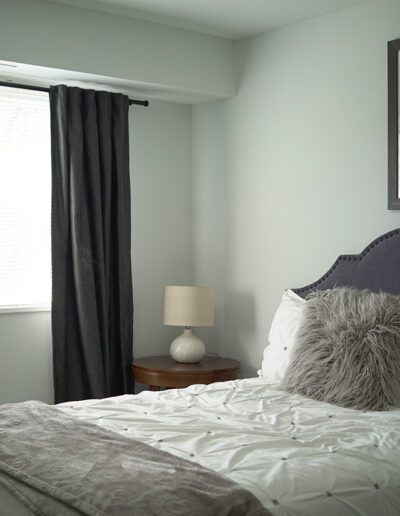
pixel 298 456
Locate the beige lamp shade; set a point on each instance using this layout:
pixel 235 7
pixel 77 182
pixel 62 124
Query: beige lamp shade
pixel 188 306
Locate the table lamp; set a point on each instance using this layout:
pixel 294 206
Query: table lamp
pixel 188 307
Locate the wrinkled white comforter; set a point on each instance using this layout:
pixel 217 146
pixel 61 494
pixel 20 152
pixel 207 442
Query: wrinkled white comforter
pixel 298 456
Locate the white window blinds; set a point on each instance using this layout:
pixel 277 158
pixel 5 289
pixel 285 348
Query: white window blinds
pixel 25 199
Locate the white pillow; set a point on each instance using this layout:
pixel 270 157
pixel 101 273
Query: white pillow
pixel 281 338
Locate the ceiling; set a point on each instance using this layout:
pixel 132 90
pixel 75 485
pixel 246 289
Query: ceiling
pixel 231 19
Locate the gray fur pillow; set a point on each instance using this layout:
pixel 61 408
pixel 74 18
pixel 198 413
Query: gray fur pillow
pixel 347 349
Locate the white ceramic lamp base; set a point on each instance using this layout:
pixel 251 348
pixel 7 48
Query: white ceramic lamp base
pixel 187 348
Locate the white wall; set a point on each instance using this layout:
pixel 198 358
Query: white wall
pixel 153 56
pixel 155 59
pixel 286 176
pixel 25 357
pixel 161 218
pixel 299 157
pixel 161 252
pixel 210 161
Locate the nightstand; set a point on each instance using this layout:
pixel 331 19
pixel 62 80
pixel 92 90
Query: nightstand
pixel 163 371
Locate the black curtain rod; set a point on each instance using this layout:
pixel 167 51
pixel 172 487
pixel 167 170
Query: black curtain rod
pixel 42 88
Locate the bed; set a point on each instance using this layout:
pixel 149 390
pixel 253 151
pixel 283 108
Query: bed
pixel 297 456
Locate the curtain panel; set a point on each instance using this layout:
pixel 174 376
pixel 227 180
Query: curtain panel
pixel 92 306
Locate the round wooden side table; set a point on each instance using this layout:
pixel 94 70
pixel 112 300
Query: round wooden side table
pixel 163 371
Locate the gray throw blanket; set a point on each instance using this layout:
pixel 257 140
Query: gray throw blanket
pixel 58 465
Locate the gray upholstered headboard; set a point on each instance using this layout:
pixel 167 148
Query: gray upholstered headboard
pixel 376 268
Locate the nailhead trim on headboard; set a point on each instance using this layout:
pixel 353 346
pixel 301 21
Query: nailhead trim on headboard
pixel 348 257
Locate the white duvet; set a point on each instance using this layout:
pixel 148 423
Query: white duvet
pixel 298 456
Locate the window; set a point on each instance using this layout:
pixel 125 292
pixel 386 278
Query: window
pixel 25 200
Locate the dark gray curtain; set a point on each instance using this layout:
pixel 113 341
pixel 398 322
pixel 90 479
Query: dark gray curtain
pixel 92 307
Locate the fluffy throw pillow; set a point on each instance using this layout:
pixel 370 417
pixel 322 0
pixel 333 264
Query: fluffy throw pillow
pixel 281 337
pixel 347 349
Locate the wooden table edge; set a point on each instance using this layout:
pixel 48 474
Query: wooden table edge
pixel 180 379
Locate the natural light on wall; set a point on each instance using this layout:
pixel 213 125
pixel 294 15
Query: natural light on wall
pixel 25 200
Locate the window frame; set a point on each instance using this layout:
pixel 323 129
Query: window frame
pixel 12 309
